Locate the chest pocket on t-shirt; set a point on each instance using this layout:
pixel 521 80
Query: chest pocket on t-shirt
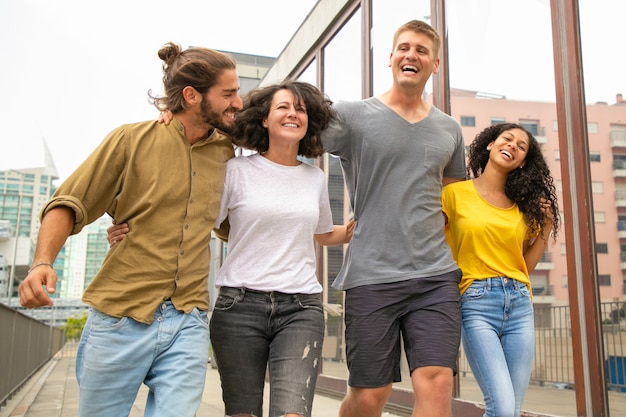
pixel 436 158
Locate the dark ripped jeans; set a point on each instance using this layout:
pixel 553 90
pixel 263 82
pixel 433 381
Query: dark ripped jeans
pixel 254 330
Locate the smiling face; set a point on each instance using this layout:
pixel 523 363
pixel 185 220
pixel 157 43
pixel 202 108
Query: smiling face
pixel 413 59
pixel 509 149
pixel 287 120
pixel 222 101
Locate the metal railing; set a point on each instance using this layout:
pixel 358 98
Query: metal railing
pixel 25 345
pixel 620 195
pixel 553 362
pixel 546 257
pixel 543 290
pixel 619 164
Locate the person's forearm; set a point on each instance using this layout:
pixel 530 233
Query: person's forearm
pixel 535 251
pixel 56 226
pixel 337 237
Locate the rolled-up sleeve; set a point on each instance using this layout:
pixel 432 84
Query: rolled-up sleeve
pixel 90 191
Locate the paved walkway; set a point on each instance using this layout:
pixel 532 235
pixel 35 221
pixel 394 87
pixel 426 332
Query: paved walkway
pixel 53 392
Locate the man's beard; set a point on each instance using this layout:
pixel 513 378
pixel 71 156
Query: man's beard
pixel 213 118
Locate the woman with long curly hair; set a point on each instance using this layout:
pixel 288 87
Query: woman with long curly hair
pixel 498 225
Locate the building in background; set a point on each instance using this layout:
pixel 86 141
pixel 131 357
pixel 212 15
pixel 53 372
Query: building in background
pixel 4 271
pixel 251 69
pixel 23 193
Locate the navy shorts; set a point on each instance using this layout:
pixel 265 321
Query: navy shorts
pixel 425 311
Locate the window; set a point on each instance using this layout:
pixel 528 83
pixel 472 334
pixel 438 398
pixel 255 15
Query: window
pixel 557 155
pixel 531 125
pixel 597 187
pixel 469 121
pixel 594 156
pixel 592 127
pixel 497 120
pixel 599 217
pixel 619 161
pixel 563 249
pixel 604 280
pixel 555 126
pixel 602 248
pixel 564 281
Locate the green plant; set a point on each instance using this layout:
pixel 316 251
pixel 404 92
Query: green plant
pixel 74 327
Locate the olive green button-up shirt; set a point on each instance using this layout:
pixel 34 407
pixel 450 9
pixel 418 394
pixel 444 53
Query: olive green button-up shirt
pixel 168 191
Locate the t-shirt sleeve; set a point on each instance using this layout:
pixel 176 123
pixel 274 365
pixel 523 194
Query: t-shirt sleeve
pixel 335 137
pixel 325 223
pixel 456 167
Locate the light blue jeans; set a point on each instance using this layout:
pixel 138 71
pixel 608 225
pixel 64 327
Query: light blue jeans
pixel 499 341
pixel 115 356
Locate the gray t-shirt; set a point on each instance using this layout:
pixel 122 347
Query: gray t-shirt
pixel 393 171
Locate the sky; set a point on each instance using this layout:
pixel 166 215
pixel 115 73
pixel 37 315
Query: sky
pixel 73 70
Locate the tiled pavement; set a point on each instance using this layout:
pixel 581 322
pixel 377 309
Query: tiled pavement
pixel 53 392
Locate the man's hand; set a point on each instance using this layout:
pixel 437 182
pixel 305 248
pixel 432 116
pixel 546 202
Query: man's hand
pixel 55 227
pixel 116 233
pixel 31 290
pixel 165 117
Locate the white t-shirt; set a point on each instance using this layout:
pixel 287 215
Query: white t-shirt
pixel 274 211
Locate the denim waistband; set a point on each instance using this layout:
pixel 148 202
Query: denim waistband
pixel 503 282
pixel 247 292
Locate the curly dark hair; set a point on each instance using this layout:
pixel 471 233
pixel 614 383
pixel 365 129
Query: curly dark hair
pixel 525 185
pixel 249 132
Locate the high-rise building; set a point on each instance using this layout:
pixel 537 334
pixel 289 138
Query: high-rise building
pixel 23 192
pixel 4 272
pixel 82 258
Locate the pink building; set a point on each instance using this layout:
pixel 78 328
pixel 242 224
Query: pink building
pixel 606 125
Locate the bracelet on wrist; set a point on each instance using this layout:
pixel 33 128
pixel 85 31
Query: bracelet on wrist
pixel 40 264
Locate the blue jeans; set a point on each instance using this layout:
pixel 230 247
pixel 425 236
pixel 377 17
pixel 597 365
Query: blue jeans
pixel 115 356
pixel 251 330
pixel 499 341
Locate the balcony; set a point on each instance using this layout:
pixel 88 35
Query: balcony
pixel 545 263
pixel 619 169
pixel 621 229
pixel 620 198
pixel 5 230
pixel 542 290
pixel 543 293
pixel 617 139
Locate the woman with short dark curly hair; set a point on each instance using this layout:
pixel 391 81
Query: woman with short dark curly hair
pixel 498 225
pixel 251 134
pixel 269 314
